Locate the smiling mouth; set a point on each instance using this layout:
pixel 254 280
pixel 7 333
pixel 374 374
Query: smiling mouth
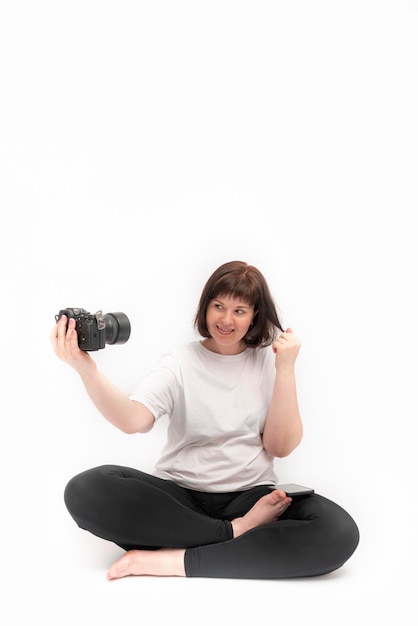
pixel 222 331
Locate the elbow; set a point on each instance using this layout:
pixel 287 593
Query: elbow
pixel 134 429
pixel 286 451
pixel 128 429
pixel 283 449
pixel 144 428
pixel 140 420
pixel 280 452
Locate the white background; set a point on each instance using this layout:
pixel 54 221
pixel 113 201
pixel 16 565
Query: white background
pixel 142 145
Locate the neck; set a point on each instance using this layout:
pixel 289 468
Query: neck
pixel 213 346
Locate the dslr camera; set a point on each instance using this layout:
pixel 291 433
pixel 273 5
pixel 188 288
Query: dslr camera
pixel 95 330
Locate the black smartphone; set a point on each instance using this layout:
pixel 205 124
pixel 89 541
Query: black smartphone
pixel 291 489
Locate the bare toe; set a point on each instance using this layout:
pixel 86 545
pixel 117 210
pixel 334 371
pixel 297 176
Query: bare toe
pixel 266 510
pixel 125 566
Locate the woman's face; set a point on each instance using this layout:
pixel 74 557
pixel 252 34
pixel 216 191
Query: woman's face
pixel 228 320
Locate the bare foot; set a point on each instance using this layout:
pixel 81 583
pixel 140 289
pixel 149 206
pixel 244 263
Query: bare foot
pixel 267 509
pixel 163 562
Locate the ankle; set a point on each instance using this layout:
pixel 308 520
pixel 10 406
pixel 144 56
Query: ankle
pixel 237 527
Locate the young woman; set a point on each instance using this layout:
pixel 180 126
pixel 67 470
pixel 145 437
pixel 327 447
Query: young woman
pixel 211 508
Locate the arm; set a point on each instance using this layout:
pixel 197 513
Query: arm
pixel 283 430
pixel 113 404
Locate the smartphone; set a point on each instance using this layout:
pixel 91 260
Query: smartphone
pixel 291 489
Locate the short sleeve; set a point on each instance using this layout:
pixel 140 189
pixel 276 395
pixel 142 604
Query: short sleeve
pixel 159 389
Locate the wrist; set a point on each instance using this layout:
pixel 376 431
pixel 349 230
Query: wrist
pixel 285 370
pixel 86 368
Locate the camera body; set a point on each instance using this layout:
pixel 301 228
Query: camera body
pixel 95 330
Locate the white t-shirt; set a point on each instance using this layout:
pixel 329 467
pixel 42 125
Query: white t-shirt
pixel 217 407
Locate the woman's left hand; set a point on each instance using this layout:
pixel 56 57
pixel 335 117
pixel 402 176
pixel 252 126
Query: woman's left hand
pixel 286 348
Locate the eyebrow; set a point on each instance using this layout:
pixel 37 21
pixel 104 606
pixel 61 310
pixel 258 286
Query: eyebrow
pixel 238 306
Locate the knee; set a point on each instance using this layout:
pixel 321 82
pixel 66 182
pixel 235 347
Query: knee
pixel 79 491
pixel 350 535
pixel 343 537
pixel 74 494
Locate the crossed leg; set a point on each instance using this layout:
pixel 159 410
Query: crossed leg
pixel 170 562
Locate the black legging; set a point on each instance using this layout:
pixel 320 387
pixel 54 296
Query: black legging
pixel 136 510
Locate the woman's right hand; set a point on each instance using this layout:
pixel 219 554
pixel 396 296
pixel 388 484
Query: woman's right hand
pixel 65 343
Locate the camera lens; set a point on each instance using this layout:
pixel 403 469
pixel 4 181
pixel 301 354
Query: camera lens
pixel 117 328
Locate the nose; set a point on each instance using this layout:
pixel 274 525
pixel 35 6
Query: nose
pixel 226 317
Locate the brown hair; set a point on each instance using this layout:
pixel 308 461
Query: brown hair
pixel 246 282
